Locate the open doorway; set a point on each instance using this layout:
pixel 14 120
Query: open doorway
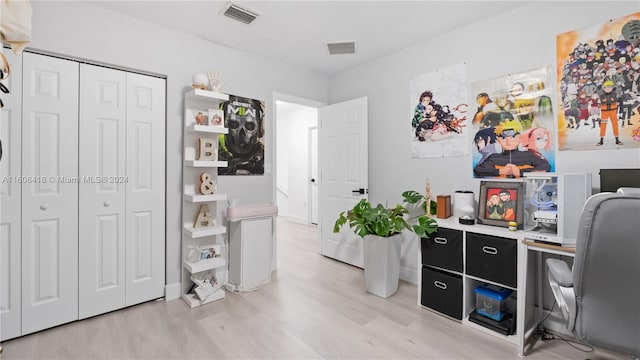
pixel 296 158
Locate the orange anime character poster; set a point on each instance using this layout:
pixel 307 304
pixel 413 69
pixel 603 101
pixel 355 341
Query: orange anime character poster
pixel 599 86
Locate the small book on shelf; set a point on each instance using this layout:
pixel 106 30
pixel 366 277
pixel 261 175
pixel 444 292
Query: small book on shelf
pixel 205 284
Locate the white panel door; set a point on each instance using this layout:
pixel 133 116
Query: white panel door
pixel 10 202
pixel 343 172
pixel 101 243
pixel 145 209
pixel 49 206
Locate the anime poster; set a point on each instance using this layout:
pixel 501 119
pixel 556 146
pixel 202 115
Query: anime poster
pixel 439 113
pixel 599 86
pixel 513 124
pixel 243 146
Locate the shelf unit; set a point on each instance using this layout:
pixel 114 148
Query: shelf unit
pixel 195 101
pixel 450 259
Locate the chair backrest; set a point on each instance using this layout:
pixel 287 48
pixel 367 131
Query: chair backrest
pixel 606 271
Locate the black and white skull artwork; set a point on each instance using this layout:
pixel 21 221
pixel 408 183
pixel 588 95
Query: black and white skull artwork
pixel 243 146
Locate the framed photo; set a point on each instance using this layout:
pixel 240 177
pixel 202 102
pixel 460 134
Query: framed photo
pixel 501 202
pixel 200 117
pixel 216 117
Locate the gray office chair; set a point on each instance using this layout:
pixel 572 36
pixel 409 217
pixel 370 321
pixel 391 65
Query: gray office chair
pixel 600 298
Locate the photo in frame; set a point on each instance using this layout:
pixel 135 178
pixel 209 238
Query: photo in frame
pixel 501 202
pixel 216 117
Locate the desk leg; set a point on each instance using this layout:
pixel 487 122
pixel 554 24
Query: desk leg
pixel 539 280
pixel 521 320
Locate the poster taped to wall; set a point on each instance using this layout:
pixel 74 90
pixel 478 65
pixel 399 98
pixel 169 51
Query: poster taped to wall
pixel 513 125
pixel 439 113
pixel 243 146
pixel 599 86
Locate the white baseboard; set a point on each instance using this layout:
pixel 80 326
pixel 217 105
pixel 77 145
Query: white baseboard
pixel 296 219
pixel 172 291
pixel 409 274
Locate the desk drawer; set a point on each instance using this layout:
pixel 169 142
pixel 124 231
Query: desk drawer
pixel 492 258
pixel 443 249
pixel 442 291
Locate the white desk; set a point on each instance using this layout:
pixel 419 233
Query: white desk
pixel 529 310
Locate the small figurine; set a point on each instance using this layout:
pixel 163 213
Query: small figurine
pixel 215 82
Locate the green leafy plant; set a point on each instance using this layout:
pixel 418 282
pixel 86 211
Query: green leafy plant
pixel 385 222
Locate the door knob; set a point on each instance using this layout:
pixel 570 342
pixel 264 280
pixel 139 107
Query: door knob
pixel 313 180
pixel 107 203
pixel 44 207
pixel 361 191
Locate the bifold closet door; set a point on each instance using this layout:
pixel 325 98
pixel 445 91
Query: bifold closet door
pixel 10 202
pixel 102 197
pixel 49 204
pixel 145 210
pixel 122 241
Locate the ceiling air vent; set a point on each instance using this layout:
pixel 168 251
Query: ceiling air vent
pixel 238 13
pixel 342 48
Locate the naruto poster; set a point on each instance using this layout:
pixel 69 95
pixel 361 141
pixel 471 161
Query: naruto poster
pixel 599 86
pixel 512 126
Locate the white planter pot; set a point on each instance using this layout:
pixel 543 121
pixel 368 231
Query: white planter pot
pixel 382 264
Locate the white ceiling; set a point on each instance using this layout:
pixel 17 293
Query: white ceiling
pixel 296 32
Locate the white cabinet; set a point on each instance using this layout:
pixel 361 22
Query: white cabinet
pixel 82 218
pixel 250 252
pixel 457 259
pixel 194 170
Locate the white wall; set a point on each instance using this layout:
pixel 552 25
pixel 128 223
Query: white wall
pixel 82 30
pixel 293 123
pixel 512 42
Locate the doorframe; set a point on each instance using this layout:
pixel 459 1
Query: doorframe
pixel 300 101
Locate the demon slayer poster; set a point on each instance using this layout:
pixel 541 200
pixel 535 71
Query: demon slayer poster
pixel 439 113
pixel 243 146
pixel 599 86
pixel 512 126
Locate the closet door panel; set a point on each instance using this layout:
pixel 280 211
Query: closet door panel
pixel 102 190
pixel 10 203
pixel 145 210
pixel 49 202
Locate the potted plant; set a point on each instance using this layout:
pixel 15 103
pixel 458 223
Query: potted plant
pixel 380 228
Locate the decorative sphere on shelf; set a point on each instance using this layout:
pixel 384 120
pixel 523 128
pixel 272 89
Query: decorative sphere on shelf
pixel 199 81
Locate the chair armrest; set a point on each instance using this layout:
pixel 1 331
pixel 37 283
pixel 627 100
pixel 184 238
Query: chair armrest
pixel 560 272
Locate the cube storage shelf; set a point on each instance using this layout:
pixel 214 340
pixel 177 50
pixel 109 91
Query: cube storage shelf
pixel 201 101
pixel 457 259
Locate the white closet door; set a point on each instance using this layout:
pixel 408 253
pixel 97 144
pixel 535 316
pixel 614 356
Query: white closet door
pixel 145 225
pixel 49 208
pixel 10 202
pixel 102 196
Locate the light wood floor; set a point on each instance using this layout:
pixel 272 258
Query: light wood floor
pixel 314 307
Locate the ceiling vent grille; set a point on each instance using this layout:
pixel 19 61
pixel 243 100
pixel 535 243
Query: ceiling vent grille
pixel 342 48
pixel 240 14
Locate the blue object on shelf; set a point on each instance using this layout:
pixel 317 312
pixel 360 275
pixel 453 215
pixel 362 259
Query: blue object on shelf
pixel 490 301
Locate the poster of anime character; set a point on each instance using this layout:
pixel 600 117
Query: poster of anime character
pixel 243 146
pixel 599 86
pixel 439 113
pixel 512 127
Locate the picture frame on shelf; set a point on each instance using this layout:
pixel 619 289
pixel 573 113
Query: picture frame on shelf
pixel 216 117
pixel 209 251
pixel 200 116
pixel 501 202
